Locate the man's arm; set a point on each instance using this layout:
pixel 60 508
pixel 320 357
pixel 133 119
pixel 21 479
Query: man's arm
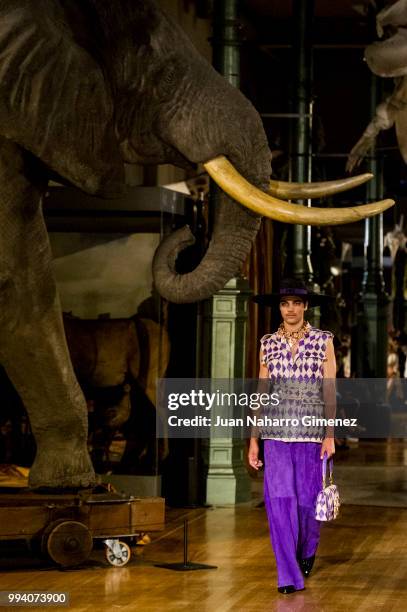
pixel 329 397
pixel 253 455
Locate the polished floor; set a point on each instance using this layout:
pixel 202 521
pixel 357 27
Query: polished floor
pixel 361 565
pixel 373 473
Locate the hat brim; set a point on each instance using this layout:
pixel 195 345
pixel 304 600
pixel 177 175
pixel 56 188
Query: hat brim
pixel 313 299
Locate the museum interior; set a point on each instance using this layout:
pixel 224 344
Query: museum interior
pixel 325 81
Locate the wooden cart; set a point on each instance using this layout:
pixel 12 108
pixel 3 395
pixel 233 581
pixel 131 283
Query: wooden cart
pixel 64 526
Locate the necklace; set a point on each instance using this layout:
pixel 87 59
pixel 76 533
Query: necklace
pixel 293 337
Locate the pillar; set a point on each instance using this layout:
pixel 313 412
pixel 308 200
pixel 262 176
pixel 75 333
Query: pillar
pixel 302 136
pixel 223 319
pixel 374 298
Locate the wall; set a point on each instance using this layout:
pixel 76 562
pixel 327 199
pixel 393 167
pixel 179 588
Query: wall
pixel 103 273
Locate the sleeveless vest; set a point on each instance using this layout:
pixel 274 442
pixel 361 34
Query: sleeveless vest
pixel 298 382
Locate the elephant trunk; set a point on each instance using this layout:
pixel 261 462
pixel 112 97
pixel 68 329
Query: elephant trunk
pixel 234 231
pixel 219 120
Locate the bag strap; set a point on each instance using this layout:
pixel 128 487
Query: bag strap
pixel 331 469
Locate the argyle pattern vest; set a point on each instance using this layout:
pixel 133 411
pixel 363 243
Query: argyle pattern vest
pixel 298 382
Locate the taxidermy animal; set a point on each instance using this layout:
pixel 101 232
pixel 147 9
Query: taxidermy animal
pixel 110 356
pixel 387 58
pixel 86 85
pixel 105 352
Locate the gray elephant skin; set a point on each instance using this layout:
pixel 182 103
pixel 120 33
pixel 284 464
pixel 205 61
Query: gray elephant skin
pixel 86 85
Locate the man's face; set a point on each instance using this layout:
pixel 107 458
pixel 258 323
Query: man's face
pixel 292 310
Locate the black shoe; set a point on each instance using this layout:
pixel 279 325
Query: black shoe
pixel 306 565
pixel 287 589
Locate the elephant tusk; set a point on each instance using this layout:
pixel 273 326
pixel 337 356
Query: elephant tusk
pixel 303 191
pixel 232 183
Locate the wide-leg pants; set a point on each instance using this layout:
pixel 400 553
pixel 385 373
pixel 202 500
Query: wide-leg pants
pixel 292 481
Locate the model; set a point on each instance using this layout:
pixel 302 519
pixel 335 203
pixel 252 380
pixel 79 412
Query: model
pixel 300 355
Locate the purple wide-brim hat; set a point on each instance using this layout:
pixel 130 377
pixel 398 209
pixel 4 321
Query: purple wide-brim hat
pixel 297 289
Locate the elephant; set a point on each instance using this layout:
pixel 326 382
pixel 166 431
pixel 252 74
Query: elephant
pixel 387 58
pixel 85 87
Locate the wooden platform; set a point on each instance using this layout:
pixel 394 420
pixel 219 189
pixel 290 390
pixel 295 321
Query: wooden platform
pixel 361 566
pixel 105 515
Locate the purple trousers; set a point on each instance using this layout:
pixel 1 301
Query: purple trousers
pixel 292 481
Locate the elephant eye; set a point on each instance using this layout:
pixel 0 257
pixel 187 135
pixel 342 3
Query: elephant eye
pixel 169 75
pixel 166 78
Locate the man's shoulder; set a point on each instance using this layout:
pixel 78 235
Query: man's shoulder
pixel 323 334
pixel 267 338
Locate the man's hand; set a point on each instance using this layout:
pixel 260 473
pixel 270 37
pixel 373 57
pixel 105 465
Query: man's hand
pixel 253 455
pixel 328 447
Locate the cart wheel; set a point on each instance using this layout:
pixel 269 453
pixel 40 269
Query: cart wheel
pixel 118 553
pixel 68 543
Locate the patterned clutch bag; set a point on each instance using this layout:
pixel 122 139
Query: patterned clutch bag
pixel 327 506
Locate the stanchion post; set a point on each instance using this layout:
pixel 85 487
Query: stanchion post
pixel 186 566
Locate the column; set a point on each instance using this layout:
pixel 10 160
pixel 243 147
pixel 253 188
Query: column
pixel 302 140
pixel 223 320
pixel 374 297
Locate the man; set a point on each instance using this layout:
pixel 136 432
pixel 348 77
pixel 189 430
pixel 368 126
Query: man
pixel 300 361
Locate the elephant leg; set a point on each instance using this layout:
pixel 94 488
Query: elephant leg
pixel 33 349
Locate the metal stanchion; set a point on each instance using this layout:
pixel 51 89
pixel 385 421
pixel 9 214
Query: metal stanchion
pixel 186 566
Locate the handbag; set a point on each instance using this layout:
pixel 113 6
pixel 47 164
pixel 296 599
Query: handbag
pixel 328 502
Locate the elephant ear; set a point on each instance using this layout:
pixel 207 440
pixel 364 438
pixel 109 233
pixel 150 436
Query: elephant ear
pixel 54 100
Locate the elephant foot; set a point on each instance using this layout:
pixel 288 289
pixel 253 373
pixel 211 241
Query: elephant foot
pixel 62 467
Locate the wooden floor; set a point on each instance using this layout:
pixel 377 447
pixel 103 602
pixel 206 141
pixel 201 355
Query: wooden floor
pixel 361 565
pixel 385 453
